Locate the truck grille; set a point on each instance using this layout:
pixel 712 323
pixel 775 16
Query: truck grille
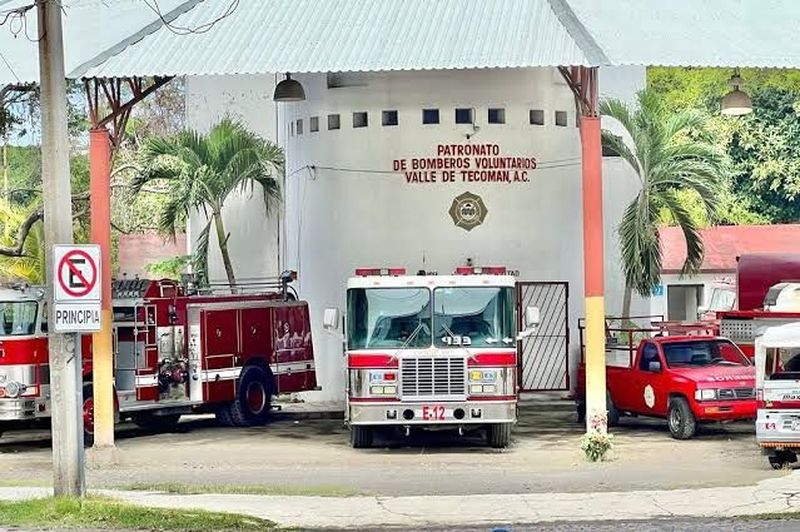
pixel 426 378
pixel 736 393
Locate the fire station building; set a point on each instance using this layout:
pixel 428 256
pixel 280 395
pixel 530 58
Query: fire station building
pixel 431 134
pixel 425 170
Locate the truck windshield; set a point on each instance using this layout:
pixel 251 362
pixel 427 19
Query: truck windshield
pixel 722 299
pixel 473 317
pixel 703 353
pixel 17 318
pixel 388 318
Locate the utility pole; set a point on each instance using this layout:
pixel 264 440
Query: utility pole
pixel 64 349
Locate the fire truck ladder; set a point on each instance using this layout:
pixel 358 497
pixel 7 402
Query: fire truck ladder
pixel 249 285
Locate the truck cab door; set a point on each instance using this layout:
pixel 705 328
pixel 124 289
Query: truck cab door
pixel 648 393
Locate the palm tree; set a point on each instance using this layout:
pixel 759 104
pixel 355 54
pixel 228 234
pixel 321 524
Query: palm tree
pixel 199 172
pixel 30 265
pixel 671 152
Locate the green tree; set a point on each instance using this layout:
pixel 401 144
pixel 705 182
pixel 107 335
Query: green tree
pixel 670 152
pixel 29 264
pixel 763 147
pixel 765 150
pixel 199 172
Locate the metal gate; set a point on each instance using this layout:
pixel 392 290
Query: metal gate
pixel 545 354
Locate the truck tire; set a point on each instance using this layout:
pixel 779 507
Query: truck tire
pixel 360 437
pixel 782 459
pixel 680 419
pixel 498 435
pixel 613 413
pixel 253 398
pixel 580 409
pixel 155 423
pixel 88 415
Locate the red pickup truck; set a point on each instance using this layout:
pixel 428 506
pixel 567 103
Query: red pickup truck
pixel 684 379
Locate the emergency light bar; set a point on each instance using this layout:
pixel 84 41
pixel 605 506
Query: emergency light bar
pixel 366 272
pixel 478 270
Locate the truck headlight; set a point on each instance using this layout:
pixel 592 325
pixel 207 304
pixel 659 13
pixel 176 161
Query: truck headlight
pixel 706 394
pixel 486 375
pixel 383 390
pixel 13 389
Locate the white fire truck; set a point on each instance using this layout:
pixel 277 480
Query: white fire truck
pixel 177 350
pixel 431 351
pixel 777 357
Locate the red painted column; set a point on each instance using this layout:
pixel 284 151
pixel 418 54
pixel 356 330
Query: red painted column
pixel 102 345
pixel 593 267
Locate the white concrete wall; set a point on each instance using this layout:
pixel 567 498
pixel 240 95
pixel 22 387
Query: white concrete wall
pixel 659 302
pixel 345 208
pixel 254 235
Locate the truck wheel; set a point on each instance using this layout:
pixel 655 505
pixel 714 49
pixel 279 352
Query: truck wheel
pixel 223 414
pixel 88 415
pixel 782 459
pixel 360 437
pixel 498 435
pixel 155 423
pixel 680 419
pixel 253 397
pixel 613 413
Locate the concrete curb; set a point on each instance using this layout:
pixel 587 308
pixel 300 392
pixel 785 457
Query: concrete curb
pixel 769 496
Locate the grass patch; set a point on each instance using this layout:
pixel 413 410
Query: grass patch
pixel 25 483
pixel 177 488
pixel 108 514
pixel 771 516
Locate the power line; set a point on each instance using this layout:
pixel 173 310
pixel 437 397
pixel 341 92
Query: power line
pixel 548 165
pixel 185 30
pixel 10 68
pixel 17 20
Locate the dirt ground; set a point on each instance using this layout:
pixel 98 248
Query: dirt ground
pixel 315 456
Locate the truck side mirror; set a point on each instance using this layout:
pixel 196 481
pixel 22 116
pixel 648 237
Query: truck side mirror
pixel 654 366
pixel 701 311
pixel 532 319
pixel 330 319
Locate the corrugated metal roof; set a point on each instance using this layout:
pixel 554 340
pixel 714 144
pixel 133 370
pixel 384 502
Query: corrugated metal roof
pixel 744 33
pixel 353 35
pixel 93 29
pixel 109 38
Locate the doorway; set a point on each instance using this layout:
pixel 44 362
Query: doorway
pixel 683 300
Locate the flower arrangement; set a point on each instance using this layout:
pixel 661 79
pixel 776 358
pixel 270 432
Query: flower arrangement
pixel 596 443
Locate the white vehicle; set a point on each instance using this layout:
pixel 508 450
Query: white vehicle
pixel 431 351
pixel 777 359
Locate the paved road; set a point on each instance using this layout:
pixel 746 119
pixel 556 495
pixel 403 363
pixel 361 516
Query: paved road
pixel 650 525
pixel 315 457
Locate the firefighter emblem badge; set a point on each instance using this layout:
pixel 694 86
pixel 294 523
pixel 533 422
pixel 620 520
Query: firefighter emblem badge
pixel 468 211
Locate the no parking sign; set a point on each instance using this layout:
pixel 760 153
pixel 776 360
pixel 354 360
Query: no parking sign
pixel 76 288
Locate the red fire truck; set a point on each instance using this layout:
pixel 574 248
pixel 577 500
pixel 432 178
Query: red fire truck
pixel 781 306
pixel 431 351
pixel 760 277
pixel 177 350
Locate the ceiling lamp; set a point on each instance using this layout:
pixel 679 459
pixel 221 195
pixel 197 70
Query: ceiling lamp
pixel 289 90
pixel 736 102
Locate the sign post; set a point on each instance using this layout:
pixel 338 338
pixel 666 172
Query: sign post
pixel 63 353
pixel 76 294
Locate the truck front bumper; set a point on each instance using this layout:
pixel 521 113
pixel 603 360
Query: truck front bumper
pixel 17 409
pixel 725 410
pixel 432 413
pixel 778 429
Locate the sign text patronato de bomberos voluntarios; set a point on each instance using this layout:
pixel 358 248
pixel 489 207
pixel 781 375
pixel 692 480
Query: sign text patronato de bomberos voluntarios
pixel 466 163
